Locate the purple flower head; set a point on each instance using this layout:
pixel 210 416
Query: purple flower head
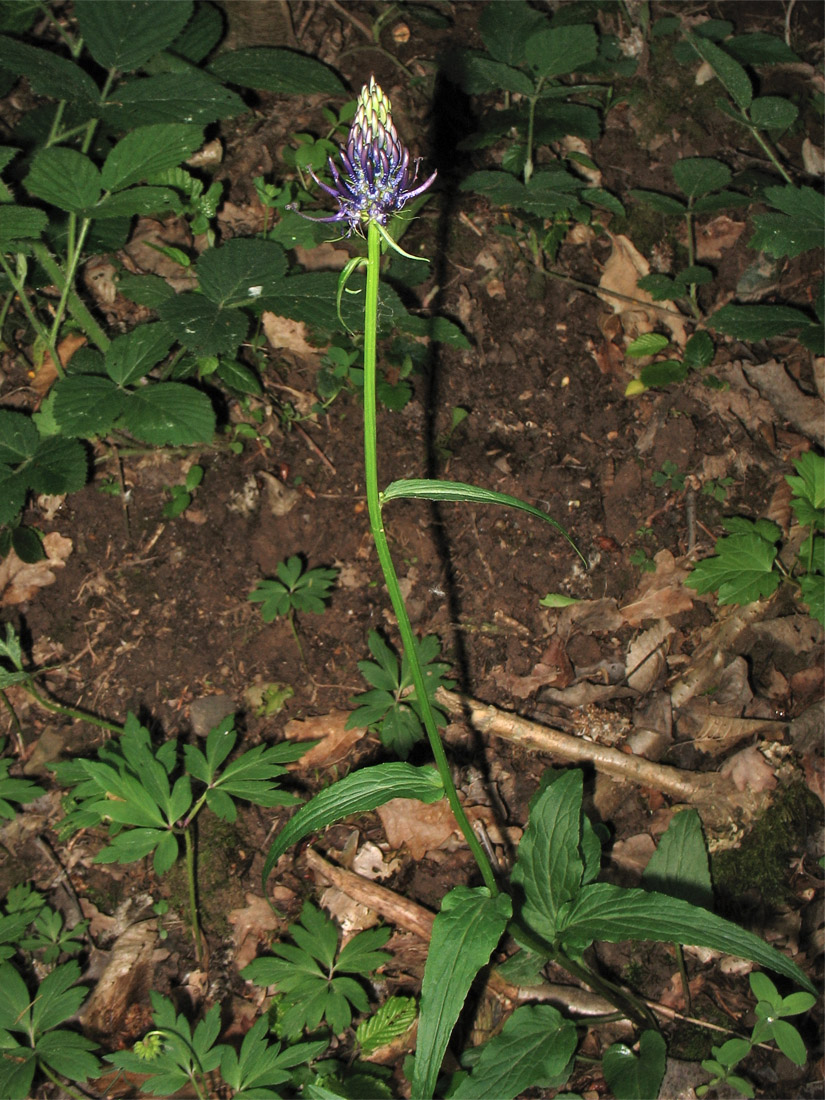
pixel 375 179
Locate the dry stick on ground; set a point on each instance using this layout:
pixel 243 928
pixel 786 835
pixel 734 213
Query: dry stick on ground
pixel 713 795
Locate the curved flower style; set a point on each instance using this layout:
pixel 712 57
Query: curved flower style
pixel 376 181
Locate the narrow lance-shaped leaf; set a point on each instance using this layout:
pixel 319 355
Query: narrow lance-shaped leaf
pixel 427 489
pixel 465 934
pixel 356 793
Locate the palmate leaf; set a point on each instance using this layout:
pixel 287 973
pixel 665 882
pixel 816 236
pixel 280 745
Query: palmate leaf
pixel 182 1053
pixel 169 414
pixel 555 51
pixel 305 974
pixel 260 1064
pixel 48 73
pixel 200 327
pixel 64 178
pixel 742 569
pixel 465 933
pixel 505 28
pixel 148 150
pixel 728 70
pixel 535 1048
pixel 808 502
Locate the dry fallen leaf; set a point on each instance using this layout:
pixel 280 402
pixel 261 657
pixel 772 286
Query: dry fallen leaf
pixel 646 657
pixel 748 770
pixel 661 593
pixel 287 335
pixel 20 581
pixel 251 926
pixel 418 826
pixel 336 742
pixel 624 267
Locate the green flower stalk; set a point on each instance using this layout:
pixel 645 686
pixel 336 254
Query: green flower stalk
pixel 376 182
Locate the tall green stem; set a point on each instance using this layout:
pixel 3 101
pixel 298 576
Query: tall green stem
pixel 385 557
pixel 189 844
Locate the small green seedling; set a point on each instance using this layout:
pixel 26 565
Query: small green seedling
pixel 772 1010
pixel 668 477
pixel 295 590
pixel 181 495
pixel 317 982
pixel 704 181
pixel 698 354
pixel 391 706
pixel 29 924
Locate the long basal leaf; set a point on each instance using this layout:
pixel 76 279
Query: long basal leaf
pixel 427 489
pixel 549 867
pixel 357 793
pixel 611 913
pixel 465 934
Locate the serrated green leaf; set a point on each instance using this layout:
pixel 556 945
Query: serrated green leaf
pixel 57 998
pixel 812 591
pixel 679 866
pixel 728 70
pixel 125 36
pixel 757 322
pixel 465 933
pixel 479 74
pixel 48 73
pixel 699 351
pixel 636 1078
pixel 611 913
pixel 534 1049
pixel 137 200
pixel 798 228
pixel 808 489
pixel 131 356
pixel 238 377
pixel 699 175
pixel 761 49
pixel 664 373
pixel 190 97
pixel 86 405
pixel 665 204
pixel 771 112
pixel 649 343
pixel 395 1017
pixel 69 1054
pixel 169 414
pixel 19 223
pixel 58 466
pixel 241 271
pixel 505 28
pixel 147 151
pixel 200 327
pixel 356 793
pixel 741 570
pixel 556 51
pixel 721 200
pixel 64 178
pixel 275 70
